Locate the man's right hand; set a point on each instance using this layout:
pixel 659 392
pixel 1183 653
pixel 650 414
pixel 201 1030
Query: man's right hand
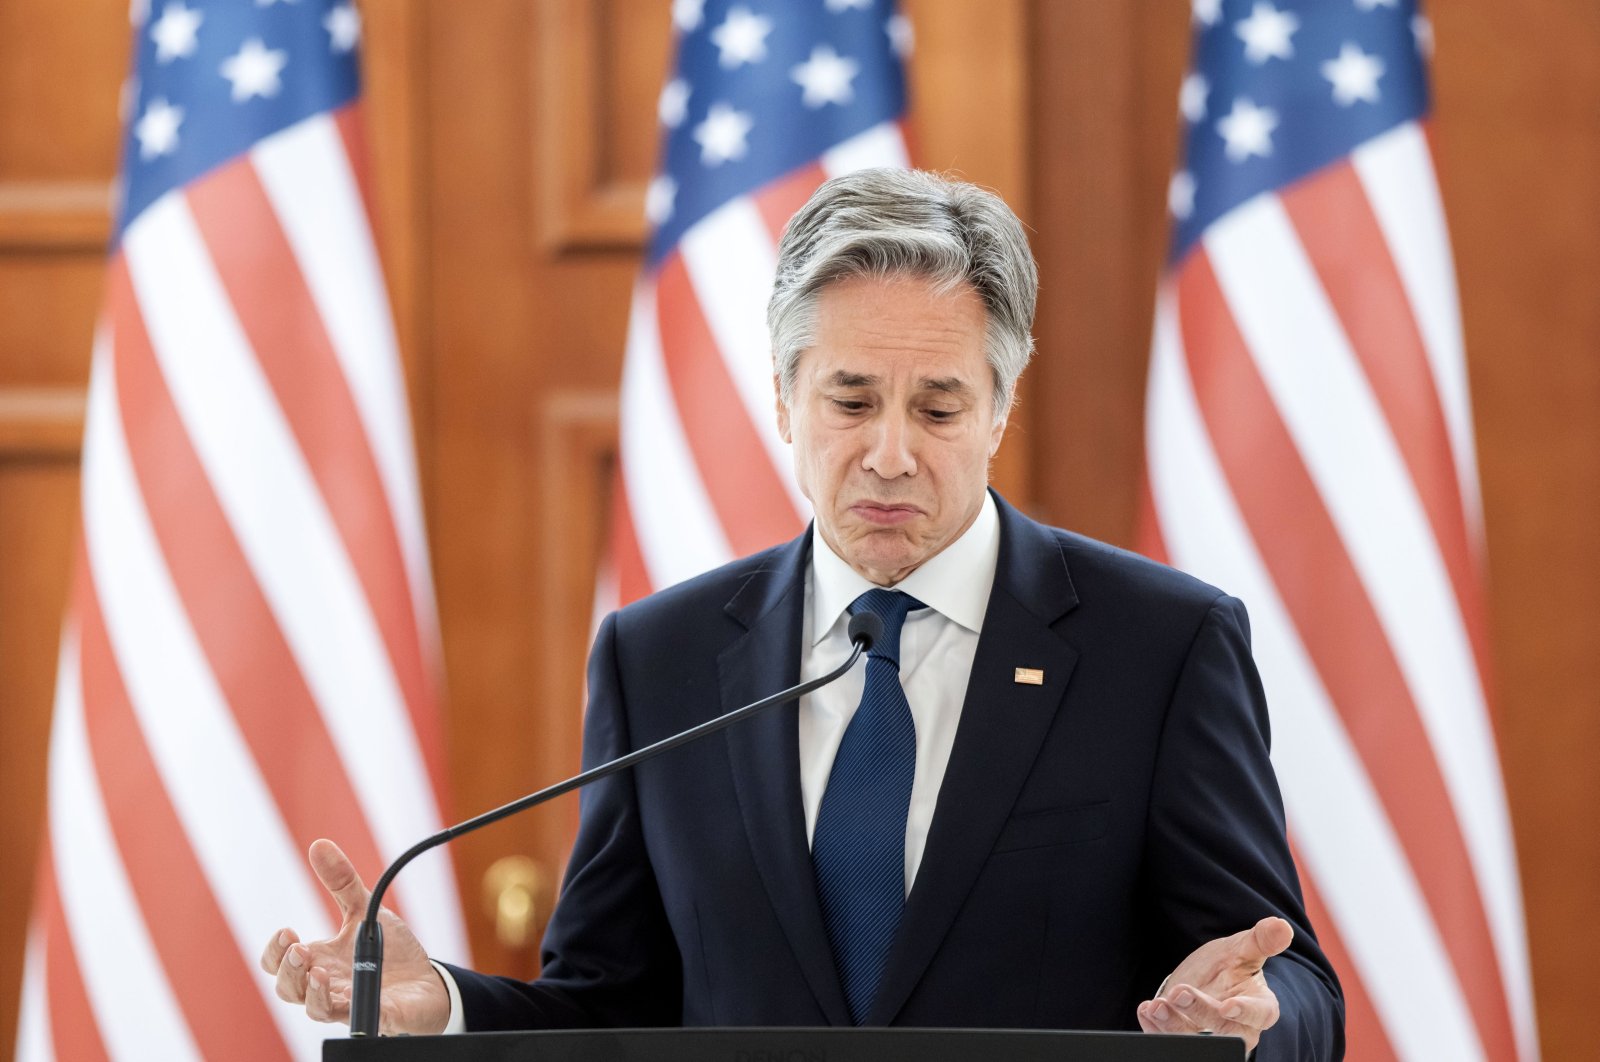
pixel 317 974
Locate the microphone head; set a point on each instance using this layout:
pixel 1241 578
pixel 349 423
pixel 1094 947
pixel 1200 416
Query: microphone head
pixel 865 629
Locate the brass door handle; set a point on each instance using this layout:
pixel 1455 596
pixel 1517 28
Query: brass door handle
pixel 514 889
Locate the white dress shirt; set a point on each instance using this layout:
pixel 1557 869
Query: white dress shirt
pixel 937 647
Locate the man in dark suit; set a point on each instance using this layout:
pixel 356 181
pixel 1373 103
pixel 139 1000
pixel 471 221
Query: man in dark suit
pixel 1044 801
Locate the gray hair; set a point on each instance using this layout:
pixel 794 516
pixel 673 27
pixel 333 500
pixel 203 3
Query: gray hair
pixel 892 222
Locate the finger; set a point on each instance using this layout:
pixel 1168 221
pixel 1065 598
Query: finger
pixel 1268 937
pixel 1160 1016
pixel 1245 1015
pixel 323 1003
pixel 338 875
pixel 272 956
pixel 291 984
pixel 1200 1010
pixel 1251 1011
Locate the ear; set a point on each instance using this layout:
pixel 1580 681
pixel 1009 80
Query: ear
pixel 996 434
pixel 782 410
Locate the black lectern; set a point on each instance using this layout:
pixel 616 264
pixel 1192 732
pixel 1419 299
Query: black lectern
pixel 789 1045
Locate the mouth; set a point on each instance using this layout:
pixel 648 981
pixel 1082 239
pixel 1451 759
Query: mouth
pixel 884 514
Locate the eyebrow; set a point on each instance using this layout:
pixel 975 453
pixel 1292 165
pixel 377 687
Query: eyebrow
pixel 851 379
pixel 950 385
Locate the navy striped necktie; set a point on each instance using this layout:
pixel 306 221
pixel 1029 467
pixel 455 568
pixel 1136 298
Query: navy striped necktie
pixel 858 848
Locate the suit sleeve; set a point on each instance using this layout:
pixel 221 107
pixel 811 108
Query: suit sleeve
pixel 609 956
pixel 1218 856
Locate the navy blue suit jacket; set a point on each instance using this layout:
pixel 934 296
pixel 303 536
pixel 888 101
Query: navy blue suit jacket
pixel 1090 831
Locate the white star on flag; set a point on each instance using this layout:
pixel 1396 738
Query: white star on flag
pixel 686 14
pixel 1206 12
pixel 1354 75
pixel 742 38
pixel 176 32
pixel 673 106
pixel 157 131
pixel 254 70
pixel 343 24
pixel 659 198
pixel 1266 33
pixel 1180 195
pixel 1192 97
pixel 825 77
pixel 901 39
pixel 1248 130
pixel 836 6
pixel 721 135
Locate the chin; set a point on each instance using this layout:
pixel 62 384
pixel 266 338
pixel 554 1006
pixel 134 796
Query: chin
pixel 885 560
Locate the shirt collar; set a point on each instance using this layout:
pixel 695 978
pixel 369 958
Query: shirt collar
pixel 955 582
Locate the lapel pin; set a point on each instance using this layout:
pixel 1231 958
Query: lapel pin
pixel 1030 676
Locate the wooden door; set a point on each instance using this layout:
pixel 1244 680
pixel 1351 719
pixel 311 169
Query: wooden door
pixel 540 120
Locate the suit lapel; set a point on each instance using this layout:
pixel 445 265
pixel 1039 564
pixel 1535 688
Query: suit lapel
pixel 1003 724
pixel 765 756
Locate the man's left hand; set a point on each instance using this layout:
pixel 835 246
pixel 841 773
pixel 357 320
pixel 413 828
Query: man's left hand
pixel 1220 988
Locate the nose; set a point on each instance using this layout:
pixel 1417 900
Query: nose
pixel 890 451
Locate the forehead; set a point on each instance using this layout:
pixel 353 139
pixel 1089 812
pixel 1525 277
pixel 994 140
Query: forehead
pixel 900 326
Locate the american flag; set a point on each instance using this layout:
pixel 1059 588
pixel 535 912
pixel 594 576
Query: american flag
pixel 1310 448
pixel 767 99
pixel 249 658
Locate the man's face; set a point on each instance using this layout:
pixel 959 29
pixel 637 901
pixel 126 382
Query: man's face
pixel 893 421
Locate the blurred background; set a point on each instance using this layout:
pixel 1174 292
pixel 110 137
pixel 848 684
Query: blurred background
pixel 511 145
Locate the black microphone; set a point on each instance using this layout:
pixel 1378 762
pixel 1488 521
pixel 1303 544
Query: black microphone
pixel 366 981
pixel 865 629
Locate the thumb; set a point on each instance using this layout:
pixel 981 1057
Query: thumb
pixel 338 875
pixel 1265 939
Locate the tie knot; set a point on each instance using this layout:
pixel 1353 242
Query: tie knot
pixel 890 606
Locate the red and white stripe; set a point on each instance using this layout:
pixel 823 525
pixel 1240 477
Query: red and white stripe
pixel 1309 448
pixel 250 655
pixel 704 476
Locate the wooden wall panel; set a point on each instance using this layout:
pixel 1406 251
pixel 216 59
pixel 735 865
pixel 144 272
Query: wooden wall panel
pixel 393 81
pixel 67 215
pixel 579 450
pixel 600 65
pixel 1104 109
pixel 60 67
pixel 57 62
pixel 1518 141
pixel 38 513
pixel 49 302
